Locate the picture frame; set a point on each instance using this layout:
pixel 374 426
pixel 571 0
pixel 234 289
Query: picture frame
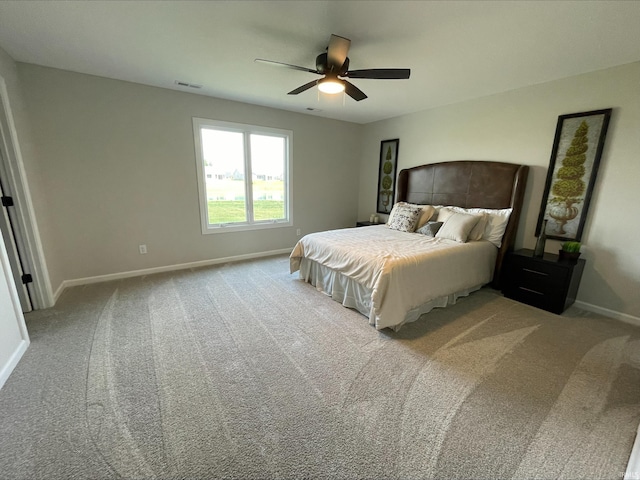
pixel 387 172
pixel 575 158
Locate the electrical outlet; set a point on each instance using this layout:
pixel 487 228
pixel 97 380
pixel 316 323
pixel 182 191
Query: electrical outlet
pixel 298 232
pixel 143 249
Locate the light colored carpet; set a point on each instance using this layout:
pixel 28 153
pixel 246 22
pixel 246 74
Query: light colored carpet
pixel 244 371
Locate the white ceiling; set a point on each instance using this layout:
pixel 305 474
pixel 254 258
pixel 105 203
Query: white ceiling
pixel 457 50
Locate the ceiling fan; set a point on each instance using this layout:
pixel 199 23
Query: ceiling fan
pixel 335 64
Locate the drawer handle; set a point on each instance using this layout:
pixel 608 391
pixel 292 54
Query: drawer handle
pixel 532 291
pixel 535 271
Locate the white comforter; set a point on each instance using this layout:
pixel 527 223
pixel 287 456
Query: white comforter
pixel 402 270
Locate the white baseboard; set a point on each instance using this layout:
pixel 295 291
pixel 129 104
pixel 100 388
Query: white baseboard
pixel 608 313
pixel 168 268
pixel 7 368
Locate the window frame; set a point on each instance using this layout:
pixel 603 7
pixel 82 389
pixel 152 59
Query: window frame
pixel 246 130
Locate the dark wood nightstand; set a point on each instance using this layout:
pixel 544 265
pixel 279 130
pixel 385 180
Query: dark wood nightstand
pixel 365 224
pixel 541 282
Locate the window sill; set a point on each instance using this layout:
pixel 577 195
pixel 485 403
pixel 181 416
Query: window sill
pixel 230 228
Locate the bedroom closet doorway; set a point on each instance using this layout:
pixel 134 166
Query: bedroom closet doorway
pixel 14 243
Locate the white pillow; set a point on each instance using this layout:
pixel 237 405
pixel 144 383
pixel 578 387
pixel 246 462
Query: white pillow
pixel 445 212
pixel 497 220
pixel 457 226
pixel 478 230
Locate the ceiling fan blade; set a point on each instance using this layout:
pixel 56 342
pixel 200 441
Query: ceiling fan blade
pixel 353 91
pixel 304 87
pixel 286 65
pixel 337 51
pixel 380 73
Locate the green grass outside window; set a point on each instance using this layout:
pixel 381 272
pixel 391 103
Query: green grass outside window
pixel 230 211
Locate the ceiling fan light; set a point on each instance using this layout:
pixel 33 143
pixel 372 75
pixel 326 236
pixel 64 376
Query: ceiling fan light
pixel 331 85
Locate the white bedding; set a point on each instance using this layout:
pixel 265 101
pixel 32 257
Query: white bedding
pixel 402 271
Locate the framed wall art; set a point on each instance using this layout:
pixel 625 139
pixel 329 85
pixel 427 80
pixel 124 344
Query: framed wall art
pixel 575 158
pixel 387 175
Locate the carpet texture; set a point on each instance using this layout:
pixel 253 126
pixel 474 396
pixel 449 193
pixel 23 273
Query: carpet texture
pixel 244 371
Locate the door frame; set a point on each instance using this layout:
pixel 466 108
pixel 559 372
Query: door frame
pixel 26 226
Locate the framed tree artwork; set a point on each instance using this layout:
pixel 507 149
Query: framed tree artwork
pixel 387 175
pixel 575 158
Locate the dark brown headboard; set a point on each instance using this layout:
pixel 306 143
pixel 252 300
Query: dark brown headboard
pixel 469 184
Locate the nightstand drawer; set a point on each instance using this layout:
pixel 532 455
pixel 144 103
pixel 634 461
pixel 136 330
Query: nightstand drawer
pixel 550 300
pixel 545 279
pixel 539 268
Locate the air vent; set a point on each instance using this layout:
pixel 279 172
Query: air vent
pixel 187 84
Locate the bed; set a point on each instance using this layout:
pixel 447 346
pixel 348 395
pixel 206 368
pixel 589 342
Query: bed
pixel 393 276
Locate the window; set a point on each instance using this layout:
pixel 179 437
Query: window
pixel 243 176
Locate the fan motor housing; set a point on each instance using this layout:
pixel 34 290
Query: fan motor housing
pixel 322 65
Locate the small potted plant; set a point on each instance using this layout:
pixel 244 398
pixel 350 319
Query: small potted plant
pixel 569 252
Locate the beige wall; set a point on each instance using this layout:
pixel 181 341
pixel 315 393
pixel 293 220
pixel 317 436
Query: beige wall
pixel 118 169
pixel 519 126
pixel 9 72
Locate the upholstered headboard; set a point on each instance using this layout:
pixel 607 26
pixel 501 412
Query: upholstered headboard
pixel 469 184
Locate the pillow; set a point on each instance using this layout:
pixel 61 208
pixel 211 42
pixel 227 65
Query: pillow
pixel 393 211
pixel 496 225
pixel 478 231
pixel 427 212
pixel 457 227
pixel 445 212
pixel 496 222
pixel 404 217
pixel 429 229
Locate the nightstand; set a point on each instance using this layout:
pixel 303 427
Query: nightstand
pixel 365 224
pixel 541 282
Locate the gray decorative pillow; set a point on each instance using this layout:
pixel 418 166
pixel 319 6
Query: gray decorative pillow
pixel 404 218
pixel 430 228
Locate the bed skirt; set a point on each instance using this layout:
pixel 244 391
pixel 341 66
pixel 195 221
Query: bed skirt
pixel 352 294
